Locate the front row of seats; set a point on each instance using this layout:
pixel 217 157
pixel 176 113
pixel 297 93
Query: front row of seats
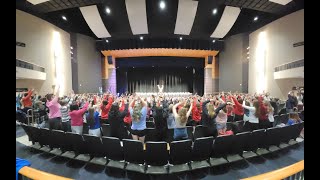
pixel 157 157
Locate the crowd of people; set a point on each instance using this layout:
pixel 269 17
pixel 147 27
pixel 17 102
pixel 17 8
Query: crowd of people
pixel 130 112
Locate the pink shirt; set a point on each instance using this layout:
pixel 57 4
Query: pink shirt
pixel 54 108
pixel 77 115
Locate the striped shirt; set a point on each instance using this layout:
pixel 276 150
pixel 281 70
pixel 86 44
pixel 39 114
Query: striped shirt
pixel 65 111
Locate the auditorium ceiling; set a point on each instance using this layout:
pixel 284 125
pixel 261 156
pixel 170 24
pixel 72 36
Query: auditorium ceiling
pixel 209 20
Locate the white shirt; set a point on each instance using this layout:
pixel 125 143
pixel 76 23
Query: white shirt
pixel 251 118
pixel 160 88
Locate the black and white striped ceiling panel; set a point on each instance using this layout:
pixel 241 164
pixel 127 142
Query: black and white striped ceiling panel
pixel 127 19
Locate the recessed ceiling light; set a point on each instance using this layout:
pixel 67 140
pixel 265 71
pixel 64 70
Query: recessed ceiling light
pixel 214 11
pixel 255 18
pixel 213 41
pixel 180 38
pixel 162 5
pixel 64 18
pixel 107 41
pixel 71 52
pixel 141 37
pixel 108 10
pixel 132 67
pixel 248 47
pixel 71 47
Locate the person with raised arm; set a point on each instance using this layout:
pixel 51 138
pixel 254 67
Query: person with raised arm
pixel 54 110
pixel 76 116
pixel 139 115
pixel 105 107
pixel 64 109
pixel 209 114
pixel 116 117
pixel 181 117
pixel 254 113
pixel 26 101
pixel 238 109
pixel 92 117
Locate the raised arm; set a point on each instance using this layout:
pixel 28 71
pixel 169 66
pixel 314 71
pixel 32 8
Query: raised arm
pixel 124 112
pixel 247 107
pixel 204 107
pixel 189 111
pixel 174 108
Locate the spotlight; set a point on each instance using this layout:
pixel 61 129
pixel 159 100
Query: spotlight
pixel 162 5
pixel 64 18
pixel 108 10
pixel 180 38
pixel 256 18
pixel 214 11
pixel 141 37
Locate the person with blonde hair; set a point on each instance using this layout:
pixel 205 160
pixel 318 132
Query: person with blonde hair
pixel 181 118
pixel 139 114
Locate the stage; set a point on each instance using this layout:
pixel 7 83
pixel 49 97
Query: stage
pixel 166 94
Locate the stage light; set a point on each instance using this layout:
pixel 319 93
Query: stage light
pixel 162 5
pixel 180 38
pixel 213 41
pixel 256 18
pixel 107 41
pixel 108 10
pixel 214 11
pixel 141 37
pixel 64 18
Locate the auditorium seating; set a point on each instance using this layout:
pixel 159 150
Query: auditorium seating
pixel 159 157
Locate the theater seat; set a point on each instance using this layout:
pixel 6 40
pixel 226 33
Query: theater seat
pixel 156 157
pixel 201 152
pixel 133 155
pixel 180 156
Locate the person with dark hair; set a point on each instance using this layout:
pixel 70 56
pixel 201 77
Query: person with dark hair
pixel 115 119
pixel 92 117
pixel 159 112
pixel 105 107
pixel 76 116
pixel 290 103
pixel 26 101
pixel 238 109
pixel 54 110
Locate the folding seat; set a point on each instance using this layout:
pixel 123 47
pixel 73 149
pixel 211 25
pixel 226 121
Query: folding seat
pixel 105 130
pixel 156 157
pixel 201 152
pixel 27 130
pixel 69 148
pixel 95 149
pixel 259 139
pixel 198 132
pixel 113 151
pixel 150 135
pixel 180 155
pixel 221 148
pixel 242 146
pixel 85 128
pixel 273 138
pixel 190 132
pixel 169 136
pixel 133 155
pixel 44 139
pixel 57 141
pixel 35 133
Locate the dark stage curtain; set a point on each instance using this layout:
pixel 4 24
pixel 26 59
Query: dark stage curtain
pixel 174 80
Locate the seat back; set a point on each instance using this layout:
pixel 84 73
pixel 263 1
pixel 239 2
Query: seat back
pixel 273 136
pixel 133 151
pixel 284 118
pixel 222 146
pixel 241 143
pixel 259 139
pixel 58 139
pixel 105 130
pixel 26 128
pixel 202 148
pixel 169 136
pixel 190 132
pixel 180 152
pixel 156 153
pixel 112 148
pixel 78 144
pixel 85 128
pixel 94 145
pixel 198 132
pixel 44 137
pixel 151 134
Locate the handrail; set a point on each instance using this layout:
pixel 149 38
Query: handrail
pixel 39 175
pixel 280 173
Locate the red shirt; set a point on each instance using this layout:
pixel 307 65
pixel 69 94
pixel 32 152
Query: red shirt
pixel 27 102
pixel 127 119
pixel 105 109
pixel 196 113
pixel 238 109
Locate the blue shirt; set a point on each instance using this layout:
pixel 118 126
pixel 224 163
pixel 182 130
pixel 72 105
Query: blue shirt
pixel 141 125
pixel 96 120
pixel 20 163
